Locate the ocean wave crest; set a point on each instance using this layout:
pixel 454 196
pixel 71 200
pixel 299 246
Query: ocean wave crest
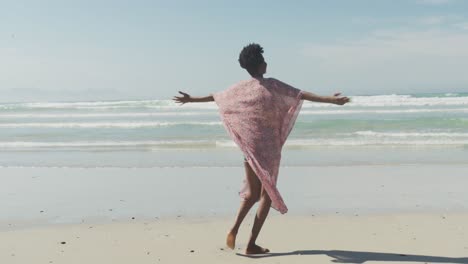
pixel 105 124
pixel 447 99
pixel 206 144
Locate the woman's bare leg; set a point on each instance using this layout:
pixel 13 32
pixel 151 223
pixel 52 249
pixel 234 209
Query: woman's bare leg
pixel 262 213
pixel 253 195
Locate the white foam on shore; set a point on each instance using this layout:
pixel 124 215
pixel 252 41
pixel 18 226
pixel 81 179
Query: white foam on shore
pixel 77 144
pixel 375 142
pixel 370 139
pixel 104 124
pixel 366 101
pixel 215 113
pixel 383 111
pixel 100 115
pixel 108 105
pixel 411 134
pixel 406 100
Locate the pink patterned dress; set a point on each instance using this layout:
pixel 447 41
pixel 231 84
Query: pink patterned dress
pixel 259 114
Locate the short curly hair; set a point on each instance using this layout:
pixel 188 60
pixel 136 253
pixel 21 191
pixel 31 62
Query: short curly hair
pixel 251 57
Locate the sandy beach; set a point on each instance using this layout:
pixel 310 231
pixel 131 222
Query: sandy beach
pixel 395 238
pixel 349 214
pixel 125 127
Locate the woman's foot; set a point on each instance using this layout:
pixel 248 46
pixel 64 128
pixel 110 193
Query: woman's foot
pixel 231 239
pixel 254 249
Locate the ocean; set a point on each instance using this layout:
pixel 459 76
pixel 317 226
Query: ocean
pixel 371 130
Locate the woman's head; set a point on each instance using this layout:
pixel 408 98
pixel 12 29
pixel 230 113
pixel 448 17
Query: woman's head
pixel 252 60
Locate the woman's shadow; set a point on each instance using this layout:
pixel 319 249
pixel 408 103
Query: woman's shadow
pixel 343 256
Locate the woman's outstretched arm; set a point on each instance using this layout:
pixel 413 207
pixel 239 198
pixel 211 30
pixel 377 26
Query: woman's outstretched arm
pixel 186 98
pixel 335 99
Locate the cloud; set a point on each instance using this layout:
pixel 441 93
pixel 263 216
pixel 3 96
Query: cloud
pixel 428 21
pixel 436 2
pixel 433 20
pixel 463 25
pixel 385 43
pixel 440 20
pixel 421 60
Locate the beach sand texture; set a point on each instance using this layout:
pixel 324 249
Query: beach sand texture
pixel 350 214
pixel 402 238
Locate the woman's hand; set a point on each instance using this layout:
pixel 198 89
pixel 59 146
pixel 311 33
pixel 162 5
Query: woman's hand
pixel 182 99
pixel 340 100
pixel 334 99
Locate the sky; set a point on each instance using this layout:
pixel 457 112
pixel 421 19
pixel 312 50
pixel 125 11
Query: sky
pixel 112 50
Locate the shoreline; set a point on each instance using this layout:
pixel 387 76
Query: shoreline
pixel 71 195
pixel 231 157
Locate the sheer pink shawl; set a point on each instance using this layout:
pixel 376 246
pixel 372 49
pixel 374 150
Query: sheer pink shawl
pixel 259 114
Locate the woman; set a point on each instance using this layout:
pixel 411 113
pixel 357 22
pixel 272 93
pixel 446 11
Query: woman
pixel 258 114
